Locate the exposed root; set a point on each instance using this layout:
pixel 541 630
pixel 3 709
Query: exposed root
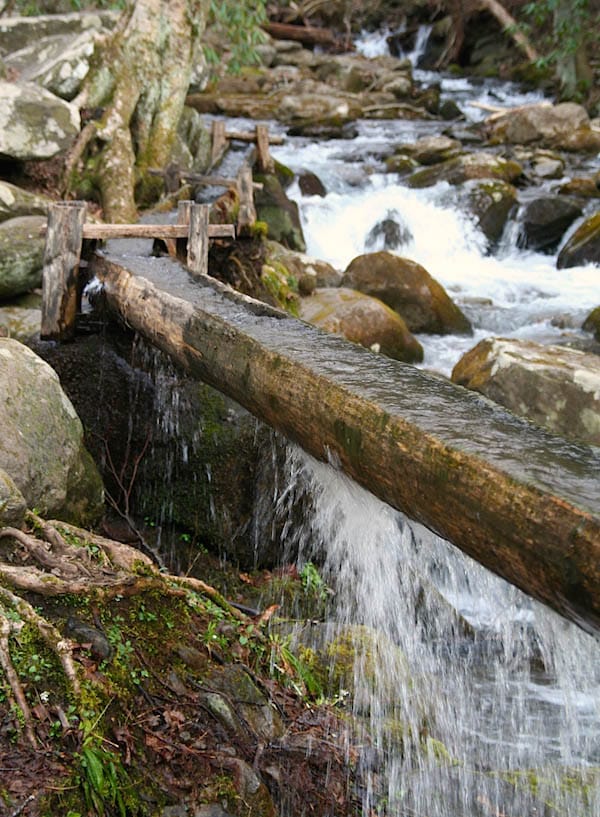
pixel 18 694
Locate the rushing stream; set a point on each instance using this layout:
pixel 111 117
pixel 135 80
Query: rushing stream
pixel 515 704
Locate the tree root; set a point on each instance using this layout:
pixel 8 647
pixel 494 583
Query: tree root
pixel 71 561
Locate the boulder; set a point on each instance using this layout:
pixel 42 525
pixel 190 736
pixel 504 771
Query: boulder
pixel 34 124
pixel 554 387
pixel 16 202
pixel 544 221
pixel 20 322
pixel 583 247
pixel 18 32
pixel 363 320
pixel 408 289
pixel 12 502
pixel 41 439
pixel 592 323
pixel 310 184
pixel 21 255
pixel 491 201
pixel 279 212
pixel 431 150
pixel 303 267
pixel 478 165
pixel 564 126
pixel 58 63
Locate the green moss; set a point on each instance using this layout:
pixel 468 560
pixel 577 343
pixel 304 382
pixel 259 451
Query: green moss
pixel 281 285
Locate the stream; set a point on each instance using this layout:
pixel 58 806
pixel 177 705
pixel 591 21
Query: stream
pixel 516 704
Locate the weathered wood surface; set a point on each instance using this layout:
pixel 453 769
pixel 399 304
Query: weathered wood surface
pixel 522 502
pixel 152 231
pixel 62 255
pixel 308 35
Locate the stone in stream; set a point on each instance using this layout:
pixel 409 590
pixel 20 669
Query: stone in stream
pixel 408 289
pixel 583 247
pixel 363 320
pixel 553 386
pixel 389 232
pixel 545 220
pixel 592 323
pixel 477 165
pixel 491 201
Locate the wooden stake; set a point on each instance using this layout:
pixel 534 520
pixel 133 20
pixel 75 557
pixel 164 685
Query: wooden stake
pixel 62 254
pixel 264 160
pixel 197 248
pixel 183 217
pixel 247 211
pixel 219 141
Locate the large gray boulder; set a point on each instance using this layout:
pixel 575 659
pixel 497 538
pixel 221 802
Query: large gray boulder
pixel 41 439
pixel 58 63
pixel 408 289
pixel 15 201
pixel 34 124
pixel 583 247
pixel 18 32
pixel 21 255
pixel 554 387
pixel 566 125
pixel 363 320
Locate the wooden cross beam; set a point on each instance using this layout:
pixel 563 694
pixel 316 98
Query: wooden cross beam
pixel 66 231
pixel 262 138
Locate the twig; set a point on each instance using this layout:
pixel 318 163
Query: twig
pixel 21 808
pixel 13 680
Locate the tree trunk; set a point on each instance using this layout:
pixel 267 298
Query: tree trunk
pixel 509 24
pixel 573 70
pixel 518 500
pixel 141 77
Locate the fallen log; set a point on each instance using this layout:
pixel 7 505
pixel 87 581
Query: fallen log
pixel 307 35
pixel 522 502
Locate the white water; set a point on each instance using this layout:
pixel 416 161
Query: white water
pixel 521 693
pixel 509 293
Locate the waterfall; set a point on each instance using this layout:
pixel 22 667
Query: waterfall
pixel 477 700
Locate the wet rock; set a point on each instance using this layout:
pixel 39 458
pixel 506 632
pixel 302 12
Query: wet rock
pixel 363 320
pixel 491 202
pixel 41 439
pixel 279 212
pixel 583 247
pixel 478 165
pixel 12 502
pixel 566 126
pixel 310 184
pixel 544 222
pixel 431 150
pixel 388 234
pixel 448 110
pixel 23 106
pixel 592 323
pixel 21 323
pixel 15 202
pixel 408 289
pixel 582 187
pixel 554 387
pixel 21 255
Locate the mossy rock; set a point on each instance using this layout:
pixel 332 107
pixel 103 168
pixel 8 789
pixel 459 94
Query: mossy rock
pixel 279 213
pixel 592 323
pixel 478 165
pixel 583 247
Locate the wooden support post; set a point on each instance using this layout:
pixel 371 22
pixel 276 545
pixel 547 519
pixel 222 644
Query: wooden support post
pixel 264 159
pixel 247 211
pixel 197 249
pixel 62 254
pixel 219 141
pixel 181 244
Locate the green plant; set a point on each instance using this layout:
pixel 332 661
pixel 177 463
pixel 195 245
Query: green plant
pixel 312 581
pixel 239 24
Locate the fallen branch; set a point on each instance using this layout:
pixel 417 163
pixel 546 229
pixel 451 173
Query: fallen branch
pixel 13 680
pixel 510 26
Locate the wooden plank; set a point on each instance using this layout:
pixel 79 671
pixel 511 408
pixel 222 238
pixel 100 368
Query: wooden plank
pixel 107 231
pixel 523 503
pixel 62 254
pixel 197 248
pixel 183 217
pixel 250 136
